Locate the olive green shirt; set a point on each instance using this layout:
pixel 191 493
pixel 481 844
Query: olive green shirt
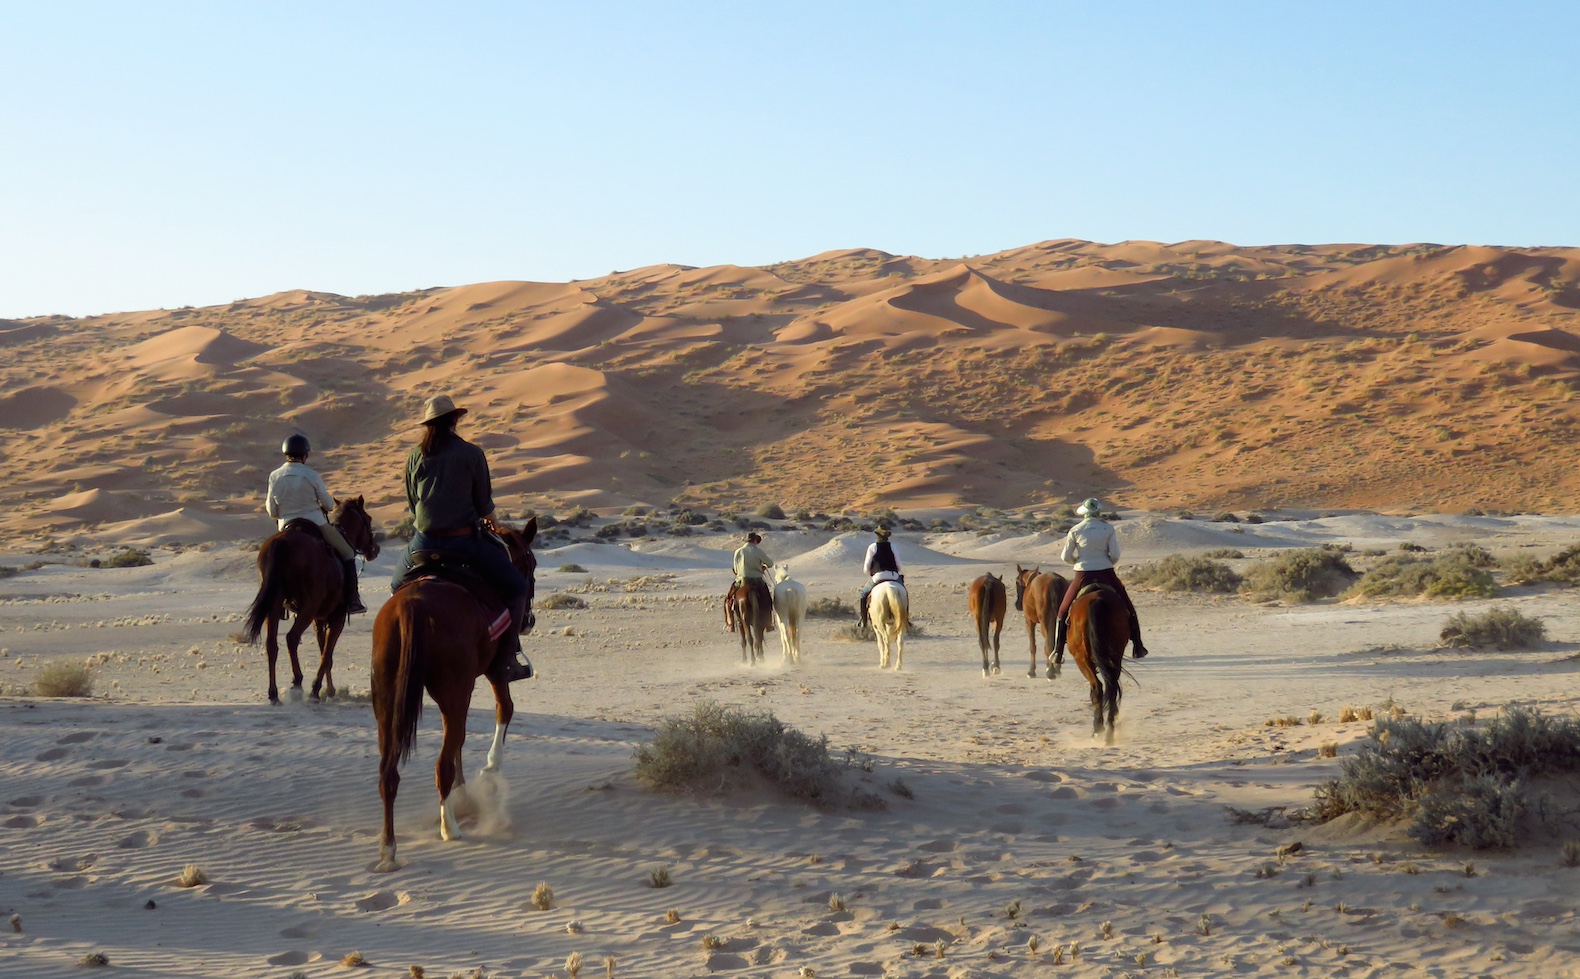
pixel 450 489
pixel 750 561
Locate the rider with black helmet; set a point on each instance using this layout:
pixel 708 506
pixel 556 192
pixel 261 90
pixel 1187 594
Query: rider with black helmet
pixel 296 492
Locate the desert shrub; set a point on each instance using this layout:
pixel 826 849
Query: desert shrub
pixel 609 531
pixel 1302 575
pixel 1411 547
pixel 830 607
pixel 64 680
pixel 715 747
pixel 1523 570
pixel 578 517
pixel 1225 554
pixel 770 511
pixel 1456 784
pixel 573 568
pixel 1253 518
pixel 1180 572
pixel 9 571
pixel 636 528
pixel 561 600
pixel 1475 554
pixel 839 525
pixel 678 529
pixel 939 525
pixel 1503 627
pixel 1447 575
pixel 1226 517
pixel 545 520
pixel 132 557
pixel 1562 568
pixel 634 510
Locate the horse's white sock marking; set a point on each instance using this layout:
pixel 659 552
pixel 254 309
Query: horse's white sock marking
pixel 449 829
pixel 496 751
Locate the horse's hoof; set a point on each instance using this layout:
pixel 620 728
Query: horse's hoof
pixel 388 866
pixel 295 695
pixel 997 671
pixel 274 699
pixel 1032 673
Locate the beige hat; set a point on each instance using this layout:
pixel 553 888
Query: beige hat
pixel 438 406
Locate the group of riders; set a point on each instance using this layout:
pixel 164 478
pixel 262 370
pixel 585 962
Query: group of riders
pixel 450 496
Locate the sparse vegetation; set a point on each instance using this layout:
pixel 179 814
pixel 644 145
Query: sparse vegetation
pixel 573 568
pixel 561 600
pixel 64 680
pixel 1501 627
pixel 1562 568
pixel 132 557
pixel 830 607
pixel 1456 784
pixel 1225 554
pixel 770 511
pixel 1179 572
pixel 658 877
pixel 192 876
pixel 543 897
pixel 1450 574
pixel 1303 575
pixel 94 960
pixel 9 571
pixel 717 747
pixel 354 960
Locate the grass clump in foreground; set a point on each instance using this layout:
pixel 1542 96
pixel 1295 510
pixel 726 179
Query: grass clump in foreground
pixel 64 680
pixel 1179 572
pixel 132 557
pixel 1303 575
pixel 1450 574
pixel 721 748
pixel 1502 627
pixel 1454 783
pixel 830 607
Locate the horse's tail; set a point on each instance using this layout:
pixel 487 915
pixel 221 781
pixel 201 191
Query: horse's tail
pixel 1109 662
pixel 410 675
pixel 271 591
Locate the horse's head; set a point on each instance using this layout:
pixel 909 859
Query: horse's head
pixel 780 573
pixel 350 517
pixel 519 543
pixel 1023 578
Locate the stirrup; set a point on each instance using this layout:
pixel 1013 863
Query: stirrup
pixel 512 670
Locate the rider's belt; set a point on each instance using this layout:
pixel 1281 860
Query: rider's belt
pixel 455 532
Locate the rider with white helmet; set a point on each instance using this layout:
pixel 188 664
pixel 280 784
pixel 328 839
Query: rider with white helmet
pixel 1092 548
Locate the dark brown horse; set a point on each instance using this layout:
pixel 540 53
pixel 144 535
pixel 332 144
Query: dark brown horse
pixel 298 574
pixel 433 635
pixel 1038 594
pixel 1099 632
pixel 988 602
pixel 754 611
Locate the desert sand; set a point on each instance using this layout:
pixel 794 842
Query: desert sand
pixel 1018 847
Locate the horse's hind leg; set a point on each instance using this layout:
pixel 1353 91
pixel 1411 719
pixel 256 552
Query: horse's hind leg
pixel 293 643
pixel 1097 709
pixel 328 635
pixel 271 652
pixel 449 758
pixel 1031 632
pixel 1113 694
pixel 998 629
pixel 389 782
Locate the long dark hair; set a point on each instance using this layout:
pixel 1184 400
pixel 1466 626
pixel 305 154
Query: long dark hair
pixel 438 434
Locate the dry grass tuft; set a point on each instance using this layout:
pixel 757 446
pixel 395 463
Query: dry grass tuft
pixel 416 971
pixel 608 967
pixel 64 680
pixel 672 916
pixel 573 965
pixel 192 876
pixel 836 904
pixel 354 960
pixel 1501 627
pixel 94 960
pixel 1328 750
pixel 1348 715
pixel 712 943
pixel 561 600
pixel 658 877
pixel 1314 718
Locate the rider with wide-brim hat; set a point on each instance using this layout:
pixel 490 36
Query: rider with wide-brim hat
pixel 450 494
pixel 297 492
pixel 880 565
pixel 1092 548
pixel 748 563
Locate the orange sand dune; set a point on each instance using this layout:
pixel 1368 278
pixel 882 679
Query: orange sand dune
pixel 1194 374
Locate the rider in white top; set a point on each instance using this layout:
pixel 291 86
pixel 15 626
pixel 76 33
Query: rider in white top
pixel 296 492
pixel 1092 548
pixel 880 565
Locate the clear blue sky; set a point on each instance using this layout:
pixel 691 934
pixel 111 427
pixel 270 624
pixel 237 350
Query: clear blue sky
pixel 171 153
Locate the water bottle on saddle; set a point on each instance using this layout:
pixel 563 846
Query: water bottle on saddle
pixel 1092 548
pixel 880 565
pixel 450 494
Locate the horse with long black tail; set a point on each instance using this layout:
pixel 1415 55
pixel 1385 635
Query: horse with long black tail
pixel 1099 630
pixel 299 575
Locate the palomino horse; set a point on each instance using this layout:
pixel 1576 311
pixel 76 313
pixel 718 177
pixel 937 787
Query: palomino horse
pixel 1099 632
pixel 752 616
pixel 433 635
pixel 891 616
pixel 789 611
pixel 988 601
pixel 299 574
pixel 1038 594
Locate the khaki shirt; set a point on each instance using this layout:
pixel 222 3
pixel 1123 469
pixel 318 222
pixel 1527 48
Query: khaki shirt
pixel 749 562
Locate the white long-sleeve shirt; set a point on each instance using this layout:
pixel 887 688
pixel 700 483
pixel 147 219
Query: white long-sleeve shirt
pixel 1091 545
pixel 296 492
pixel 868 569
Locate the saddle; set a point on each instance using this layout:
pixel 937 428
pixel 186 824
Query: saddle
pixel 457 570
pixel 1096 586
pixel 306 526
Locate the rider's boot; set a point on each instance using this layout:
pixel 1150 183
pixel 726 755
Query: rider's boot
pixel 354 604
pixel 1061 631
pixel 1136 649
pixel 771 616
pixel 509 664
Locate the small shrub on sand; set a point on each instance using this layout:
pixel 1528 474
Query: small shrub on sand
pixel 1455 784
pixel 771 511
pixel 712 943
pixel 830 607
pixel 658 877
pixel 1179 572
pixel 672 916
pixel 1562 568
pixel 94 960
pixel 1225 554
pixel 354 960
pixel 9 571
pixel 715 747
pixel 64 680
pixel 573 568
pixel 573 965
pixel 132 557
pixel 1451 574
pixel 1303 575
pixel 1502 627
pixel 543 897
pixel 192 876
pixel 561 600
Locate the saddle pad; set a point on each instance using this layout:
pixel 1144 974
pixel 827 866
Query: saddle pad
pixel 500 622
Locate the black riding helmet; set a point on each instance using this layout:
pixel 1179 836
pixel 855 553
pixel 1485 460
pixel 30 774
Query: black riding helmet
pixel 296 445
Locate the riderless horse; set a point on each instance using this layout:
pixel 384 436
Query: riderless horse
pixel 1038 594
pixel 789 611
pixel 987 599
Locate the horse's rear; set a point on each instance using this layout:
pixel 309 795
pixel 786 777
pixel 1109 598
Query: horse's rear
pixel 755 612
pixel 989 603
pixel 1099 632
pixel 296 571
pixel 790 611
pixel 891 616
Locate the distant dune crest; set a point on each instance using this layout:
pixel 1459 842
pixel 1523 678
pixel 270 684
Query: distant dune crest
pixel 1195 374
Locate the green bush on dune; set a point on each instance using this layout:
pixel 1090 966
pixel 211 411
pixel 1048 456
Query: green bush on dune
pixel 1303 575
pixel 1179 572
pixel 1451 574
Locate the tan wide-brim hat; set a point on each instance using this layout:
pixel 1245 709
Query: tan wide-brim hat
pixel 883 533
pixel 438 407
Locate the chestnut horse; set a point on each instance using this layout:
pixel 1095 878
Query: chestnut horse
pixel 1099 632
pixel 299 574
pixel 988 601
pixel 433 635
pixel 753 612
pixel 1038 594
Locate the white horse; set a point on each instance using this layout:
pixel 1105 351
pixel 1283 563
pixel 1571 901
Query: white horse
pixel 789 611
pixel 891 616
